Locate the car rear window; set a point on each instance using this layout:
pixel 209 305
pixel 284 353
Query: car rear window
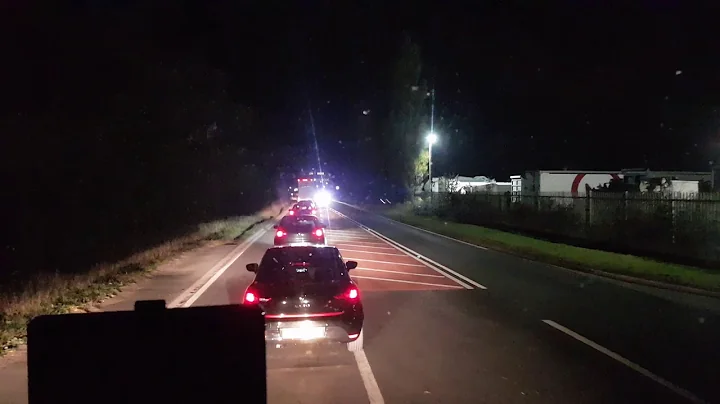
pixel 299 224
pixel 301 264
pixel 304 204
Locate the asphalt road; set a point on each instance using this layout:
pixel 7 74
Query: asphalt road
pixel 448 322
pixel 460 324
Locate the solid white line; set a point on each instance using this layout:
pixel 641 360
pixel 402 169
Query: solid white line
pixel 191 294
pixel 371 252
pixel 397 272
pixel 368 378
pixel 420 258
pixel 401 281
pixel 417 228
pixel 678 390
pixel 384 262
pixel 363 246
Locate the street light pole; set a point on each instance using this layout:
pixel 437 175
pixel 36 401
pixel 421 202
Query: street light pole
pixel 431 139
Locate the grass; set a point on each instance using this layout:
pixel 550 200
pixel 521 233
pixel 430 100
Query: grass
pixel 562 254
pixel 57 294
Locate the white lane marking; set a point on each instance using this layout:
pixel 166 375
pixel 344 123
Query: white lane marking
pixel 371 252
pixel 418 228
pixel 363 237
pixel 401 281
pixel 398 272
pixel 191 294
pixel 676 389
pixel 384 262
pixel 365 243
pixel 368 378
pixel 420 258
pixel 362 246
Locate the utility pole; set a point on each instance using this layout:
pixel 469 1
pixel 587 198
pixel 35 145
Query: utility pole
pixel 431 139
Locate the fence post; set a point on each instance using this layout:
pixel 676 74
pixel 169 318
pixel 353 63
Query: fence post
pixel 588 201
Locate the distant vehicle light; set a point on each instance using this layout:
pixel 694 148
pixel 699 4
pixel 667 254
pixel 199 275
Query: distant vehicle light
pixel 319 232
pixel 323 198
pixel 291 213
pixel 279 233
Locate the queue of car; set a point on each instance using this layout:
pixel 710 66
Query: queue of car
pixel 303 287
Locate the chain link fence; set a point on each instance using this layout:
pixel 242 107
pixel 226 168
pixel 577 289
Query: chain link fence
pixel 682 227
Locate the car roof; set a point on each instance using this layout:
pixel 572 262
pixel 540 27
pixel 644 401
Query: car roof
pixel 301 245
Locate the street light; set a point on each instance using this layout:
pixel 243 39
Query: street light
pixel 431 139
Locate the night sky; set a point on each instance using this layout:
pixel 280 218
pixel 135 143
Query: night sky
pixel 579 85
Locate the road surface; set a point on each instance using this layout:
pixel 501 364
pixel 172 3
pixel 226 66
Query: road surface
pixel 447 322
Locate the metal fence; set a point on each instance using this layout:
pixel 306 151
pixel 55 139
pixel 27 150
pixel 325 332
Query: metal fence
pixel 679 225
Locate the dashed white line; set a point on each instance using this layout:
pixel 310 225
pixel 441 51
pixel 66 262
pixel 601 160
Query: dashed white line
pixel 398 272
pixel 676 389
pixel 372 278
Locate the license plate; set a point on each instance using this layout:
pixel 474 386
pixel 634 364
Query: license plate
pixel 302 333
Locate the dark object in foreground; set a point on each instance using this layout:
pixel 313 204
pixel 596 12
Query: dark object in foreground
pixel 150 355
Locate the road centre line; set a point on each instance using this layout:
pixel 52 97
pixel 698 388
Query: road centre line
pixel 398 272
pixel 384 262
pixel 441 269
pixel 373 252
pixel 410 282
pixel 676 389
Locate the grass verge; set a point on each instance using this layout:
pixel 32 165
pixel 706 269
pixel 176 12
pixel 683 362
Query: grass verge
pixel 568 256
pixel 57 294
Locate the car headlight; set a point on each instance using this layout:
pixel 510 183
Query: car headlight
pixel 323 198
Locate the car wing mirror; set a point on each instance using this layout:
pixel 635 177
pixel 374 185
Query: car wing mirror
pixel 252 267
pixel 351 265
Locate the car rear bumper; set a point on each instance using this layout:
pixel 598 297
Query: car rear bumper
pixel 306 239
pixel 331 331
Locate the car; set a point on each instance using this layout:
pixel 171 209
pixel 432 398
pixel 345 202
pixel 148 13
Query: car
pixel 299 229
pixel 304 207
pixel 307 296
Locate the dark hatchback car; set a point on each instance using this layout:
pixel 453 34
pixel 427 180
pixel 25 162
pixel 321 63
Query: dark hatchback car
pixel 299 229
pixel 307 295
pixel 304 207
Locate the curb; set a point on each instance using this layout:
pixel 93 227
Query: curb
pixel 591 271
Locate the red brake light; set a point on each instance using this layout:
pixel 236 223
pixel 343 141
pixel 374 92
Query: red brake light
pixel 352 294
pixel 313 211
pixel 280 233
pixel 292 212
pixel 250 298
pixel 319 232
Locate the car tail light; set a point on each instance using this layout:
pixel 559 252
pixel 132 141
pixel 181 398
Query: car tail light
pixel 280 233
pixel 352 294
pixel 313 211
pixel 251 296
pixel 319 232
pixel 291 213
